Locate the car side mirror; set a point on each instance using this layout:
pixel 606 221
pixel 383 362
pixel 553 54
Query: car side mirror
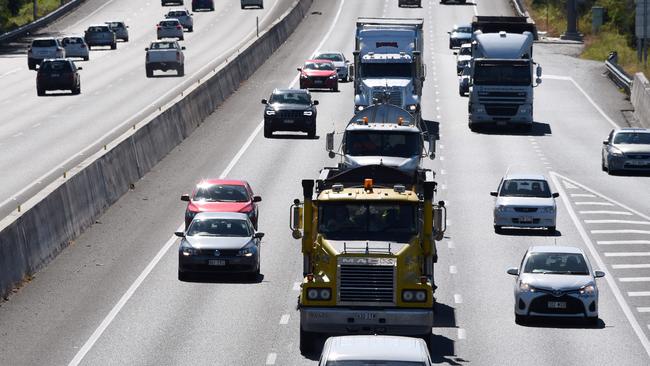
pixel 264 101
pixel 146 48
pixel 257 199
pixel 299 68
pixel 599 274
pixel 258 235
pixel 448 32
pixel 514 271
pixel 180 234
pixel 183 48
pixel 555 195
pixel 494 193
pixel 185 197
pixel 456 53
pixel 80 68
pixel 315 102
pixel 605 142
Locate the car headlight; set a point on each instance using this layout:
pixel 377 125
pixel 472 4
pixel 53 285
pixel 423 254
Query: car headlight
pixel 589 290
pixel 270 112
pixel 615 152
pixel 248 250
pixel 525 287
pixel 303 76
pixel 412 107
pixel 319 294
pixel 334 76
pixel 187 250
pixel 308 113
pixel 549 209
pixel 414 296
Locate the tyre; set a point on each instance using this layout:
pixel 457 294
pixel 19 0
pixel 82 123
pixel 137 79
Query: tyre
pixel 86 58
pixel 149 72
pixel 268 132
pixel 126 39
pixel 31 65
pixel 181 70
pixel 336 88
pixel 184 276
pixel 77 90
pixel 40 92
pixel 498 228
pixel 451 46
pixel 302 86
pixel 602 165
pixel 307 342
pixel 190 29
pixel 312 133
pixel 181 38
pixel 193 9
pixel 551 229
pixel 521 319
pixel 472 126
pixel 114 46
pixel 212 8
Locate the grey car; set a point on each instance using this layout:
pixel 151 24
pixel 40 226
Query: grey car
pixel 219 242
pixel 100 35
pixel 626 149
pixel 121 30
pixel 460 34
pixel 169 28
pixel 184 17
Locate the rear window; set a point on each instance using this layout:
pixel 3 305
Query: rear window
pixel 169 23
pixel 163 46
pixel 178 13
pixel 116 25
pixel 222 193
pixel 56 66
pixel 330 56
pixel 74 40
pixel 44 43
pixel 98 29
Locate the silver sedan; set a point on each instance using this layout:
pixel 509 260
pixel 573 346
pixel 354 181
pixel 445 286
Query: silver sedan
pixel 626 149
pixel 555 281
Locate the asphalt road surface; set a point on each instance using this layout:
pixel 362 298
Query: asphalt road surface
pixel 113 298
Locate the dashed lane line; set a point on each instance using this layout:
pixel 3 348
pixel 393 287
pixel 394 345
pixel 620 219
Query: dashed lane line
pixel 631 266
pixel 271 358
pixel 622 231
pixel 627 254
pixel 643 309
pixel 602 212
pixel 458 299
pixel 589 195
pixel 284 320
pixel 462 334
pixel 623 242
pixel 453 269
pixel 630 222
pixel 638 294
pixel 634 279
pixel 585 203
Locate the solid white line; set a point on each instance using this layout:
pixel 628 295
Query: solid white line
pixel 593 204
pixel 643 309
pixel 462 334
pixel 622 213
pixel 125 298
pixel 270 359
pixel 623 242
pixel 627 254
pixel 630 266
pixel 10 72
pixel 583 195
pixel 284 319
pixel 453 269
pixel 634 279
pixel 599 261
pixel 622 231
pixel 458 299
pixel 638 293
pixel 596 106
pixel 631 222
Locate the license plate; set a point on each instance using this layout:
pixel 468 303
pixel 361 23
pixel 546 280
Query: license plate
pixel 56 75
pixel 216 262
pixel 318 81
pixel 365 316
pixel 288 121
pixel 502 123
pixel 638 162
pixel 526 219
pixel 557 305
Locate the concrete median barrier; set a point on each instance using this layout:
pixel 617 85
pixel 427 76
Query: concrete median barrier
pixel 42 226
pixel 640 98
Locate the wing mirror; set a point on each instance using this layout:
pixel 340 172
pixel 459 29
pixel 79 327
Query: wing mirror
pixel 315 102
pixel 605 142
pixel 257 199
pixel 432 148
pixel 258 235
pixel 329 144
pixel 599 274
pixel 183 48
pixel 539 71
pixel 494 193
pixel 555 195
pixel 80 68
pixel 299 69
pixel 264 101
pixel 146 48
pixel 514 271
pixel 185 197
pixel 180 234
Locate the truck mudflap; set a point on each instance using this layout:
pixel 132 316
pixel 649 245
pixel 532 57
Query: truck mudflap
pixel 409 322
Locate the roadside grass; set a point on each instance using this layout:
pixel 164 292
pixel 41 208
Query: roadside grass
pixel 26 14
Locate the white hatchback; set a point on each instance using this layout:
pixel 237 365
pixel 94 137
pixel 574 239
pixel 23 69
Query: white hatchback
pixel 375 350
pixel 75 46
pixel 524 200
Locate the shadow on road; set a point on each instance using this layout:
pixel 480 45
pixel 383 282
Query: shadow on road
pixel 537 129
pixel 222 278
pixel 292 137
pixel 563 323
pixel 528 232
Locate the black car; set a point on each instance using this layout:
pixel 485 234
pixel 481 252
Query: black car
pixel 416 3
pixel 202 5
pixel 58 74
pixel 290 110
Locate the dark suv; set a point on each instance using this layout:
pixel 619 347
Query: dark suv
pixel 202 5
pixel 58 74
pixel 290 110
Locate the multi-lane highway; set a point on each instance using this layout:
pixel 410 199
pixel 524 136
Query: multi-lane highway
pixel 113 298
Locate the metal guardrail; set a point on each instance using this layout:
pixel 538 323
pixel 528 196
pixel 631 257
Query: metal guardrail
pixel 617 74
pixel 56 14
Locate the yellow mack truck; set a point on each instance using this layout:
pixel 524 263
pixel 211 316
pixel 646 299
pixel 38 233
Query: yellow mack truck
pixel 368 244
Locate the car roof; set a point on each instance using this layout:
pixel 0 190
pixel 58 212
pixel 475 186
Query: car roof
pixel 318 61
pixel 98 25
pixel 233 182
pixel 524 176
pixel 555 249
pixel 632 129
pixel 283 91
pixel 374 347
pixel 221 215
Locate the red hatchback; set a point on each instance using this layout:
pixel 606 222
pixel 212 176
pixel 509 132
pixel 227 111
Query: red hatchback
pixel 221 195
pixel 319 74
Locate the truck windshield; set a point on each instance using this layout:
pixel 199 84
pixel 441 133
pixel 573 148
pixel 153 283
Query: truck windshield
pixel 500 73
pixel 390 221
pixel 400 70
pixel 388 143
pixel 374 363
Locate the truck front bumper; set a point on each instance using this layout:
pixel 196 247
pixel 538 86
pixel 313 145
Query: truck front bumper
pixel 366 321
pixel 501 114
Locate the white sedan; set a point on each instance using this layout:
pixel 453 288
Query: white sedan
pixel 555 281
pixel 75 46
pixel 524 200
pixel 356 350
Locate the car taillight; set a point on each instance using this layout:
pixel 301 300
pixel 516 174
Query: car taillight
pixel 178 56
pixel 179 27
pixel 158 27
pixel 83 46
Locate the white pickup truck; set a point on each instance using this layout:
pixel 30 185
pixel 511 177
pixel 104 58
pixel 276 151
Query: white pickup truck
pixel 165 55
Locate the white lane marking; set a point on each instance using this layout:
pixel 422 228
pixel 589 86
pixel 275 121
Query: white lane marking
pixel 630 266
pixel 630 222
pixel 127 295
pixel 643 309
pixel 623 231
pixel 284 320
pixel 627 254
pixel 443 172
pixel 462 334
pixel 451 245
pixel 270 359
pixel 593 204
pixel 296 286
pixel 622 213
pixel 569 185
pixel 599 261
pixel 458 299
pixel 10 72
pixel 634 279
pixel 583 195
pixel 596 106
pixel 453 269
pixel 623 242
pixel 638 293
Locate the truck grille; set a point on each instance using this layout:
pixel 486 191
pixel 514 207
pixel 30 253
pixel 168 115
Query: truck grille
pixel 367 283
pixel 395 96
pixel 502 97
pixel 526 209
pixel 501 109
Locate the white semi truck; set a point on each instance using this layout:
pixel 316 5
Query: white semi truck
pixel 388 59
pixel 503 72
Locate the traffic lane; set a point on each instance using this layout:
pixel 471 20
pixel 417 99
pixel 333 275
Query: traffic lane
pixel 105 254
pixel 60 118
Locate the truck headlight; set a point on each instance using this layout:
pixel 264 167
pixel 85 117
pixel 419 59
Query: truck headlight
pixel 308 113
pixel 524 109
pixel 319 294
pixel 479 109
pixel 589 290
pixel 270 112
pixel 414 296
pixel 359 108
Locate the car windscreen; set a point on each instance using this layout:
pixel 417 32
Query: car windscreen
pixel 463 30
pixel 330 56
pixel 556 263
pixel 290 98
pixel 382 143
pixel 44 43
pixel 393 221
pixel 325 66
pixel 632 138
pixel 500 73
pixel 219 227
pixel 372 70
pixel 56 66
pixel 525 188
pixel 163 46
pixel 221 193
pixel 373 363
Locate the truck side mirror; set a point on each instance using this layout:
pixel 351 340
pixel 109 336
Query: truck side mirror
pixel 432 148
pixel 329 141
pixel 295 219
pixel 539 71
pixel 439 220
pixel 538 81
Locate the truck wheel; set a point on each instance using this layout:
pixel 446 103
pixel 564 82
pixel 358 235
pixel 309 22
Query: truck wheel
pixel 114 46
pixel 497 228
pixel 181 70
pixel 551 230
pixel 312 133
pixel 40 92
pixel 307 342
pixel 268 132
pixel 521 319
pixel 149 72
